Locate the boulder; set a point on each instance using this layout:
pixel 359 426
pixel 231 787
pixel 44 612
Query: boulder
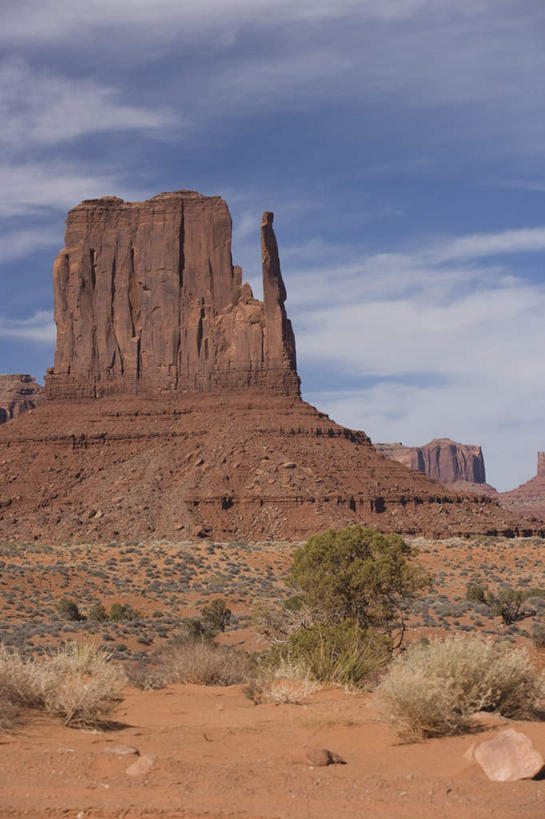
pixel 510 755
pixel 321 757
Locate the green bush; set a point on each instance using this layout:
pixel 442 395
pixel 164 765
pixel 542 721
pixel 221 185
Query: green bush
pixel 216 616
pixel 357 574
pixel 122 611
pixel 336 653
pixel 475 592
pixel 434 689
pixel 507 603
pixel 98 613
pixel 69 610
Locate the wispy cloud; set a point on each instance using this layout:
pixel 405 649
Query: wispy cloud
pixel 37 328
pixel 50 184
pixel 38 107
pixel 19 243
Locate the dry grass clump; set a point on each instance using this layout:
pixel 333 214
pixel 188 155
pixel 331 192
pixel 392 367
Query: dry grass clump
pixel 78 683
pixel 434 689
pixel 204 663
pixel 288 683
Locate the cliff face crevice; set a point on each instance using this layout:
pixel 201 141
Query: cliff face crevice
pixel 147 300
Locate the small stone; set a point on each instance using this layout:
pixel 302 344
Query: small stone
pixel 98 514
pixel 122 750
pixel 142 766
pixel 509 756
pixel 320 757
pixel 288 465
pixel 178 526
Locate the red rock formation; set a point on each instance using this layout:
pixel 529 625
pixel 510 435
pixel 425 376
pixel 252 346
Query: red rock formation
pixel 147 301
pixel 449 463
pixel 246 464
pixel 200 427
pixel 18 394
pixel 529 497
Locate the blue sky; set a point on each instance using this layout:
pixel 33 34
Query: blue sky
pixel 401 144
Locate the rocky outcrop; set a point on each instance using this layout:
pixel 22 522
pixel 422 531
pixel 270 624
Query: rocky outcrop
pixel 147 301
pixel 529 497
pixel 200 429
pixel 444 460
pixel 18 393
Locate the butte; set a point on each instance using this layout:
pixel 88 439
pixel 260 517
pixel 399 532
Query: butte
pixel 174 409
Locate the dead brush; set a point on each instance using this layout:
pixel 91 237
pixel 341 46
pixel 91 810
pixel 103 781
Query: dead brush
pixel 78 683
pixel 287 684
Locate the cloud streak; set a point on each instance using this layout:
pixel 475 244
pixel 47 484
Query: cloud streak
pixel 38 328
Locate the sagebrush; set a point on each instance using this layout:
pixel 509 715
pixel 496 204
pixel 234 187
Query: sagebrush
pixel 78 683
pixel 434 689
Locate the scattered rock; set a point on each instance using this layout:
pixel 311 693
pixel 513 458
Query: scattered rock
pixel 509 756
pixel 288 465
pixel 142 766
pixel 320 757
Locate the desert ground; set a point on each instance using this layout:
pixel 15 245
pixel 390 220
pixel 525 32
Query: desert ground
pixel 211 750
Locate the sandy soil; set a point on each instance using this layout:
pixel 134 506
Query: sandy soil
pixel 219 755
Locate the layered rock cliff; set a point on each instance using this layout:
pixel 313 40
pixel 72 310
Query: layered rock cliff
pixel 147 301
pixel 18 393
pixel 444 460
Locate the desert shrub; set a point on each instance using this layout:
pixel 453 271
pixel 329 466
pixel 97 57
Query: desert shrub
pixel 507 603
pixel 77 683
pixel 356 574
pixel 204 663
pixel 476 592
pixel 285 684
pixel 80 684
pixel 216 616
pixel 336 653
pixel 538 634
pixel 98 613
pixel 434 689
pixel 69 610
pixel 280 621
pixel 122 611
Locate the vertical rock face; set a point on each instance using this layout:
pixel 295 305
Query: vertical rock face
pixel 147 301
pixel 18 394
pixel 541 463
pixel 442 459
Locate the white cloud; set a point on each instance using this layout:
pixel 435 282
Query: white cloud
pixel 450 351
pixel 488 244
pixel 58 185
pixel 37 328
pixel 19 243
pixel 41 108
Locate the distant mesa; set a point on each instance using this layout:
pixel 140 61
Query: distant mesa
pixel 147 301
pixel 458 466
pixel 529 497
pixel 173 407
pixel 18 393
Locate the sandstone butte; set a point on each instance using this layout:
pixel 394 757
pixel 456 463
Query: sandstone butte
pixel 459 466
pixel 174 410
